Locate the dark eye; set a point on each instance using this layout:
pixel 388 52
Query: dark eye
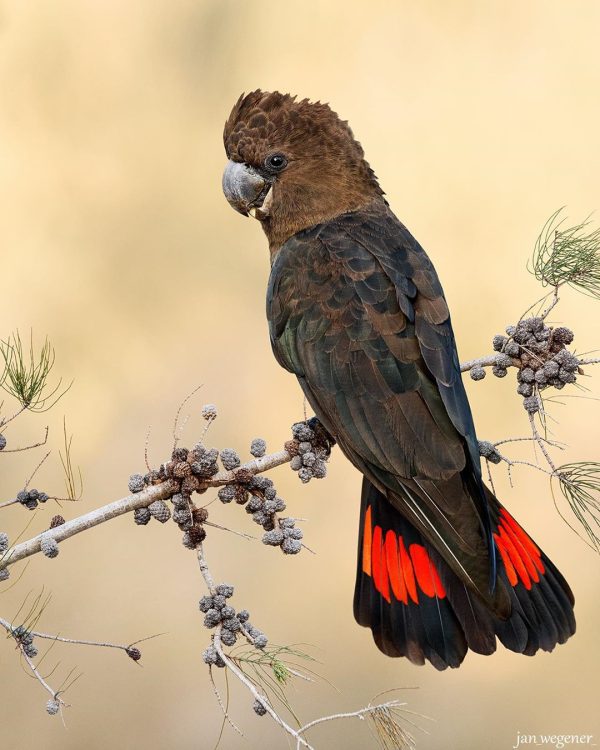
pixel 275 162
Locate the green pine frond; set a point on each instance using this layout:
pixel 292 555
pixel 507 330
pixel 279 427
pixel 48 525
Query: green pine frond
pixel 26 374
pixel 580 485
pixel 568 255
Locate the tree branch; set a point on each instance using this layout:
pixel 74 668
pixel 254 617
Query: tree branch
pixel 134 501
pixel 89 520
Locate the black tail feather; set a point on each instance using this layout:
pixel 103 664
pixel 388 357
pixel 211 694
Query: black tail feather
pixel 423 630
pixel 418 607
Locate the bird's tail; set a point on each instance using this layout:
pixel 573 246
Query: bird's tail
pixel 417 607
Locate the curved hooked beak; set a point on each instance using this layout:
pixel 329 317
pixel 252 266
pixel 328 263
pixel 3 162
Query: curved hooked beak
pixel 246 190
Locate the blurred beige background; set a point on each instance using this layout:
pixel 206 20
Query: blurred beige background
pixel 480 120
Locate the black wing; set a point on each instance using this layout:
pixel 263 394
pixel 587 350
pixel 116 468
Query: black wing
pixel 357 312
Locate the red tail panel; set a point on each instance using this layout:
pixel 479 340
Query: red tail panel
pixel 384 557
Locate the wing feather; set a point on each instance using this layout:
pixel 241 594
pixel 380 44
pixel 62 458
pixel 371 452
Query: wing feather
pixel 357 312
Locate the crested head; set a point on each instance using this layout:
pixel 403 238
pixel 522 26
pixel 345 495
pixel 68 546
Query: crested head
pixel 314 167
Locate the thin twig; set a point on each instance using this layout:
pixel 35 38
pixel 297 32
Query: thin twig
pixel 6 503
pixel 176 427
pixel 27 447
pixel 54 693
pixel 248 537
pixel 228 719
pixel 35 471
pixel 103 644
pixel 351 714
pixel 4 421
pixel 518 462
pixel 553 443
pixel 541 443
pixel 554 301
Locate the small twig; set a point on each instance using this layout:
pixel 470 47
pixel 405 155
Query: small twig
pixel 518 462
pixel 249 537
pixel 490 478
pixel 6 503
pixel 178 413
pixel 41 680
pixel 4 421
pixel 146 449
pixel 351 714
pixel 301 675
pixel 536 304
pixel 541 443
pixel 9 628
pixel 231 723
pixel 555 300
pixel 553 443
pixel 35 471
pixel 538 440
pixel 27 447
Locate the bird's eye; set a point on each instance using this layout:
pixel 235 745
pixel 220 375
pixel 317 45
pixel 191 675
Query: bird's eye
pixel 275 162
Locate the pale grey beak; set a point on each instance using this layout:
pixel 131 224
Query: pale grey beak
pixel 243 187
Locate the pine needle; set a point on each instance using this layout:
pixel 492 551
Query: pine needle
pixel 580 485
pixel 273 669
pixel 568 255
pixel 389 731
pixel 74 487
pixel 26 374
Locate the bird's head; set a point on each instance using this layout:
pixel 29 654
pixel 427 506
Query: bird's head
pixel 292 164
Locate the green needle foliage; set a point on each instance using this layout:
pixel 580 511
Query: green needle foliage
pixel 568 255
pixel 580 484
pixel 26 374
pixel 273 668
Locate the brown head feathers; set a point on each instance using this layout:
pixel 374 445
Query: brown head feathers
pixel 326 173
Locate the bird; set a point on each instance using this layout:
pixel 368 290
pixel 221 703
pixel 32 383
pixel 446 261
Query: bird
pixel 357 313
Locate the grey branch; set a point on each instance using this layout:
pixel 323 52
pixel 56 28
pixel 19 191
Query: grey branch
pixel 256 466
pixel 487 361
pixel 132 502
pixel 490 360
pixel 89 520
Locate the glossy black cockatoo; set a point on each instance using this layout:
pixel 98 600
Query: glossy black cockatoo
pixel 356 311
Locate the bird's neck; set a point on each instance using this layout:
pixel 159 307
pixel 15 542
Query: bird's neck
pixel 281 225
